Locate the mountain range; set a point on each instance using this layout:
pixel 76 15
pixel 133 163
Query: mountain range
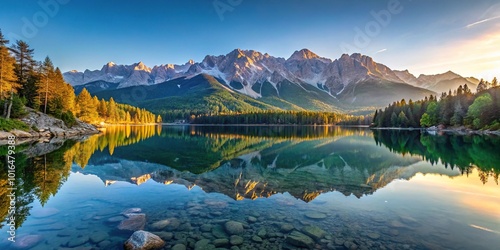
pixel 248 79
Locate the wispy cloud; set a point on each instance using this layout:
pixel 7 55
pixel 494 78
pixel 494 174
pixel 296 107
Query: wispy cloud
pixel 481 21
pixel 380 51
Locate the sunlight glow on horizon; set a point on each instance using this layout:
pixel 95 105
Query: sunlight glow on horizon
pixel 477 57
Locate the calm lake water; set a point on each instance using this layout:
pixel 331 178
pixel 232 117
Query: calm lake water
pixel 315 187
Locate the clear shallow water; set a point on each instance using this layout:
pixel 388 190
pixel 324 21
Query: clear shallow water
pixel 382 189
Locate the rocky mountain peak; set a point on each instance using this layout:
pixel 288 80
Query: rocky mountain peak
pixel 303 54
pixel 141 67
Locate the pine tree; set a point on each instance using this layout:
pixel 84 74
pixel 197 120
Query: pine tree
pixel 394 120
pixel 458 115
pixel 87 110
pixel 103 109
pixel 494 82
pixel 481 86
pixel 402 120
pixel 7 76
pixel 47 90
pixel 27 77
pixel 112 110
pixel 65 92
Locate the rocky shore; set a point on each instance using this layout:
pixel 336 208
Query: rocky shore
pixel 460 131
pixel 44 127
pixel 445 130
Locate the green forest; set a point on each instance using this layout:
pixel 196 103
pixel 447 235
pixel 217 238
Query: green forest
pixel 40 86
pixel 288 117
pixel 460 108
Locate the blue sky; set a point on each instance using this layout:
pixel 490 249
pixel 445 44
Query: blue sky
pixel 425 36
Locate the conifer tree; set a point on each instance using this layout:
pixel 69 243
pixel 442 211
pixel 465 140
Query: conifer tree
pixel 7 76
pixel 87 110
pixel 27 77
pixel 48 74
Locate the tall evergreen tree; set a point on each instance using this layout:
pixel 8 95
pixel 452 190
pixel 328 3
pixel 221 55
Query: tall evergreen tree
pixel 87 110
pixel 7 76
pixel 27 77
pixel 481 86
pixel 47 77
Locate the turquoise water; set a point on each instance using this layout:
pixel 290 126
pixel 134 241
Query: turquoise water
pixel 344 188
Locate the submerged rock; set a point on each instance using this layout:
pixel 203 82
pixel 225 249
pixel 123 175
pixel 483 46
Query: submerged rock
pixel 142 240
pixel 314 232
pixel 28 241
pixel 169 224
pixel 164 235
pixel 221 242
pixel 257 239
pixel 262 233
pixel 74 242
pixel 252 219
pixel 203 244
pixel 133 210
pixel 115 219
pixel 134 222
pixel 236 240
pixel 97 237
pixel 44 212
pixel 206 228
pixel 373 236
pixel 315 215
pixel 218 232
pixel 287 227
pixel 179 247
pixel 299 239
pixel 234 227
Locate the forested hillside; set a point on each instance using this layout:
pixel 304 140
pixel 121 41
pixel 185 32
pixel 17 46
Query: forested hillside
pixel 40 86
pixel 458 108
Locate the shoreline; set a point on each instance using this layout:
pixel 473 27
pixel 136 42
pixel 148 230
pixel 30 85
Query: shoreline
pixel 434 130
pixel 262 125
pixel 43 128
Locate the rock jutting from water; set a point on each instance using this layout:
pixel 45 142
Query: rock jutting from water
pixel 143 240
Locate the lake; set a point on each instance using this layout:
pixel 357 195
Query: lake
pixel 251 187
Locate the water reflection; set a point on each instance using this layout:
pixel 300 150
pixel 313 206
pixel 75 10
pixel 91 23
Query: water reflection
pixel 250 162
pixel 463 152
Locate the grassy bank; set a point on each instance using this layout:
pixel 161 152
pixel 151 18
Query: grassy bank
pixel 11 124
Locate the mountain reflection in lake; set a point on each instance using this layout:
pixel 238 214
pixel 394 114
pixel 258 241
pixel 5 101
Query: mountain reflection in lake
pixel 310 187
